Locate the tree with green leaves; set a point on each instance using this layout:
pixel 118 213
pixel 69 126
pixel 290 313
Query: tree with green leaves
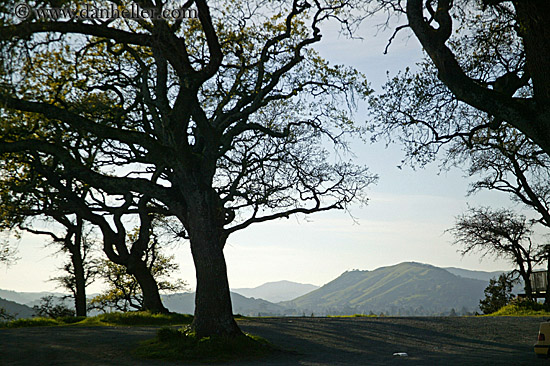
pixel 497 294
pixel 123 291
pixel 29 204
pixel 221 121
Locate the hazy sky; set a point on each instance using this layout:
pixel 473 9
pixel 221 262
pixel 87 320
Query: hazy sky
pixel 404 221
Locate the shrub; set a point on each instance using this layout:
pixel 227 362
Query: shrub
pixel 522 307
pixel 497 295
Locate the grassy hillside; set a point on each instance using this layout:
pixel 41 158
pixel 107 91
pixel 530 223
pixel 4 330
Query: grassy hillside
pixel 404 289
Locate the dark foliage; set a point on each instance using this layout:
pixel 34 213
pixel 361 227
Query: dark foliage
pixel 497 294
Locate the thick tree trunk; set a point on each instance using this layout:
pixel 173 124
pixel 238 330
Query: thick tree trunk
pixel 534 27
pixel 213 309
pixel 149 287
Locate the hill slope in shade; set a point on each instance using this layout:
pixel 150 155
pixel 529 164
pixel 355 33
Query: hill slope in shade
pixel 185 303
pixel 277 291
pixel 404 289
pixel 15 309
pixel 27 298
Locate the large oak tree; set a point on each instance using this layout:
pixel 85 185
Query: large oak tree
pixel 222 121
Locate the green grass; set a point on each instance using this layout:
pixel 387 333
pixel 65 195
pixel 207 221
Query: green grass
pixel 181 345
pixel 32 322
pixel 138 318
pixel 523 307
pixel 515 310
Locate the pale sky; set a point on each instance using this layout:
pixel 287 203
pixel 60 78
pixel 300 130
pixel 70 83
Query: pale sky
pixel 404 221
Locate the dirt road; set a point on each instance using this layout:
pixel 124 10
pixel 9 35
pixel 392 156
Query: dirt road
pixel 305 341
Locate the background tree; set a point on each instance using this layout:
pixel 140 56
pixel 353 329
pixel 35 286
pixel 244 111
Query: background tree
pixel 29 204
pixel 500 233
pixel 29 197
pixel 498 294
pixel 86 269
pixel 50 307
pixel 221 121
pixel 123 291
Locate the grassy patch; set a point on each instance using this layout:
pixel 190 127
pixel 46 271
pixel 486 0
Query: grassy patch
pixel 181 345
pixel 523 307
pixel 515 310
pixel 32 322
pixel 139 318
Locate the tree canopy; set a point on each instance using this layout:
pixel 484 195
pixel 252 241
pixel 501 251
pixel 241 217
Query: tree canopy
pixel 500 233
pixel 490 56
pixel 221 121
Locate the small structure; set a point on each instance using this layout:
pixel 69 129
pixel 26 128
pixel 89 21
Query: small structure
pixel 539 281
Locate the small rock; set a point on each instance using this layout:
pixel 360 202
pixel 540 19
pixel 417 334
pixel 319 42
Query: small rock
pixel 401 354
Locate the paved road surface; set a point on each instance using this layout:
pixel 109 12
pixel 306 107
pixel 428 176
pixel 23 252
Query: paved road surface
pixel 305 341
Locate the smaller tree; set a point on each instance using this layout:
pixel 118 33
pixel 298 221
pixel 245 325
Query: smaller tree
pixel 50 307
pixel 501 233
pixel 498 294
pixel 123 291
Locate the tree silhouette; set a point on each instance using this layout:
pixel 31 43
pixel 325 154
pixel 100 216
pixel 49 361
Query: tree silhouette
pixel 500 233
pixel 221 121
pixel 490 55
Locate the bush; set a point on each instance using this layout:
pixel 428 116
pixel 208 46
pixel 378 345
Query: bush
pixel 497 295
pixel 523 307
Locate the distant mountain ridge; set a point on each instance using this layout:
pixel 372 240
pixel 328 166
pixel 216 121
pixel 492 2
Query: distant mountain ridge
pixel 26 298
pixel 404 289
pixel 277 291
pixel 477 275
pixel 185 303
pixel 16 310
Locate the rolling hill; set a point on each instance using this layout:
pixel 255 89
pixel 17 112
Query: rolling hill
pixel 404 289
pixel 15 309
